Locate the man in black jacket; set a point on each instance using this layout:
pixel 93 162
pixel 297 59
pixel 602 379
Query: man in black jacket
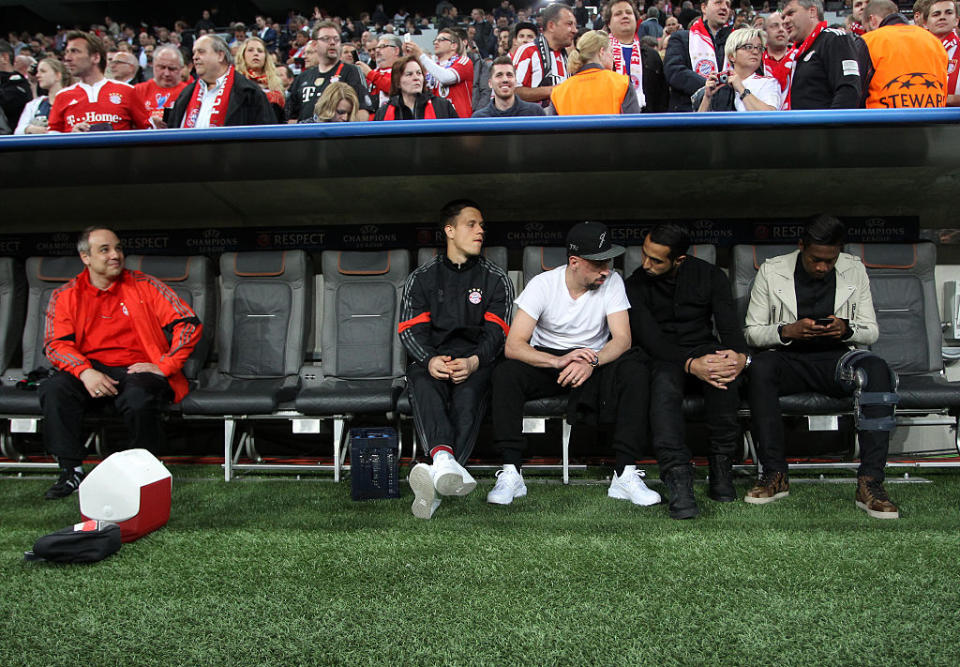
pixel 828 64
pixel 201 104
pixel 676 300
pixel 453 324
pixel 683 74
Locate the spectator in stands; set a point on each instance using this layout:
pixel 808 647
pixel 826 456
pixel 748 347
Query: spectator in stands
pixel 807 310
pixel 348 54
pixel 523 33
pixel 286 79
pixel 672 25
pixel 94 103
pixel 650 27
pixel 776 57
pixel 856 12
pixel 485 37
pixel 123 67
pixel 53 77
pixel 409 99
pixel 161 92
pixel 205 23
pixel 581 13
pixel 694 54
pixel 676 303
pixel 940 18
pixel 311 55
pixel 642 64
pixel 220 96
pixel 505 103
pixel 310 84
pixel 297 55
pixel 571 335
pixel 687 14
pixel 25 65
pixel 593 87
pixel 453 324
pixel 388 51
pixel 744 89
pixel 239 35
pixel 908 64
pixel 14 87
pixel 506 11
pixel 826 68
pixel 338 104
pixel 451 75
pixel 254 62
pixel 107 340
pixel 542 64
pixel 266 33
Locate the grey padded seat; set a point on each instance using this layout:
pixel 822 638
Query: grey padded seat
pixel 192 278
pixel 265 312
pixel 903 286
pixel 633 258
pixel 363 361
pixel 13 307
pixel 537 259
pixel 44 275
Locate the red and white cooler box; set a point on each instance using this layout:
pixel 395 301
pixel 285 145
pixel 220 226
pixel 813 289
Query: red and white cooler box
pixel 130 488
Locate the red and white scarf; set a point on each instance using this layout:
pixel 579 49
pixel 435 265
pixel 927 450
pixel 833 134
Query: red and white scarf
pixel 635 71
pixel 218 114
pixel 950 42
pixel 703 56
pixel 857 28
pixel 797 53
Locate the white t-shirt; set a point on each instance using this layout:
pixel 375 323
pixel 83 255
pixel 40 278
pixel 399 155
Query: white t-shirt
pixel 565 323
pixel 765 88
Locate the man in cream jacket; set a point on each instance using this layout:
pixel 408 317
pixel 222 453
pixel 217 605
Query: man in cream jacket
pixel 808 310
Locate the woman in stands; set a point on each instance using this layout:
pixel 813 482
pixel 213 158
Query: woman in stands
pixel 408 98
pixel 254 63
pixel 53 77
pixel 593 88
pixel 338 104
pixel 744 90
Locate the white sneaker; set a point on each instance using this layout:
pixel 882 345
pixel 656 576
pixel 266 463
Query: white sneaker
pixel 630 486
pixel 450 478
pixel 425 501
pixel 509 486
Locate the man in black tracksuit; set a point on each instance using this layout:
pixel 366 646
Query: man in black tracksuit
pixel 675 301
pixel 827 71
pixel 453 324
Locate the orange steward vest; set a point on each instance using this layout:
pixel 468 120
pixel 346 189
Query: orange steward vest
pixel 910 68
pixel 591 91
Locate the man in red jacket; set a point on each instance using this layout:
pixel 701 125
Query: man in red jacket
pixel 106 335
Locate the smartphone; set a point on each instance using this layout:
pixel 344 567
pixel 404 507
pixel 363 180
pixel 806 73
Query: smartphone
pixel 407 38
pixel 824 322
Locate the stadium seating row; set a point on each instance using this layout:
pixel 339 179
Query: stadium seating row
pixel 263 310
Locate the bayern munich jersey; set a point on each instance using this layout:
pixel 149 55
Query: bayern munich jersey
pixel 529 65
pixel 105 103
pixel 459 94
pixel 155 99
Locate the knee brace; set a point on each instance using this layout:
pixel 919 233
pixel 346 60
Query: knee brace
pixel 853 379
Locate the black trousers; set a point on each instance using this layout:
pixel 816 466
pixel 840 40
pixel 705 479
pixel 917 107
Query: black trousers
pixel 776 373
pixel 448 414
pixel 668 384
pixel 65 402
pixel 515 383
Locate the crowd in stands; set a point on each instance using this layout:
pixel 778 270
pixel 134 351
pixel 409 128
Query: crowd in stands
pixel 494 62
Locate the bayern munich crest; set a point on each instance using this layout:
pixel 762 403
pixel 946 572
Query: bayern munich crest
pixel 474 296
pixel 115 98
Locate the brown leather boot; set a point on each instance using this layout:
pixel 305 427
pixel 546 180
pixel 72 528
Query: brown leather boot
pixel 770 487
pixel 872 498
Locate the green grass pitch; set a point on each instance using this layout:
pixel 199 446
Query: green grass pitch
pixel 270 570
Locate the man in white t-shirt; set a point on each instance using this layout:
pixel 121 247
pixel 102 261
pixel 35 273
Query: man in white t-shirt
pixel 570 334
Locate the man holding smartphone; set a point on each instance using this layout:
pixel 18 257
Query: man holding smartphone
pixel 809 309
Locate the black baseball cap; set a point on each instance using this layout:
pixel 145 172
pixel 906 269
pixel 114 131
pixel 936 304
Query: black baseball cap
pixel 591 240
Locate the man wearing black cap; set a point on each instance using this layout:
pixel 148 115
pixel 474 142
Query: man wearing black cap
pixel 569 335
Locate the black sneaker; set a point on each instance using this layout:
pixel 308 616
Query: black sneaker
pixel 679 483
pixel 721 479
pixel 68 483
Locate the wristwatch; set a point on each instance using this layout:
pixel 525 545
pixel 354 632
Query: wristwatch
pixel 749 361
pixel 743 95
pixel 596 361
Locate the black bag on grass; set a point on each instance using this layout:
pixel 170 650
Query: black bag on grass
pixel 85 542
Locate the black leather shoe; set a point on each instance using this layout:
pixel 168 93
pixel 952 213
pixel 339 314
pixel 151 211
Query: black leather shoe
pixel 721 480
pixel 679 483
pixel 68 483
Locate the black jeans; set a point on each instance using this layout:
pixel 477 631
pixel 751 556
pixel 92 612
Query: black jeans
pixel 668 384
pixel 449 414
pixel 776 373
pixel 515 383
pixel 65 402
